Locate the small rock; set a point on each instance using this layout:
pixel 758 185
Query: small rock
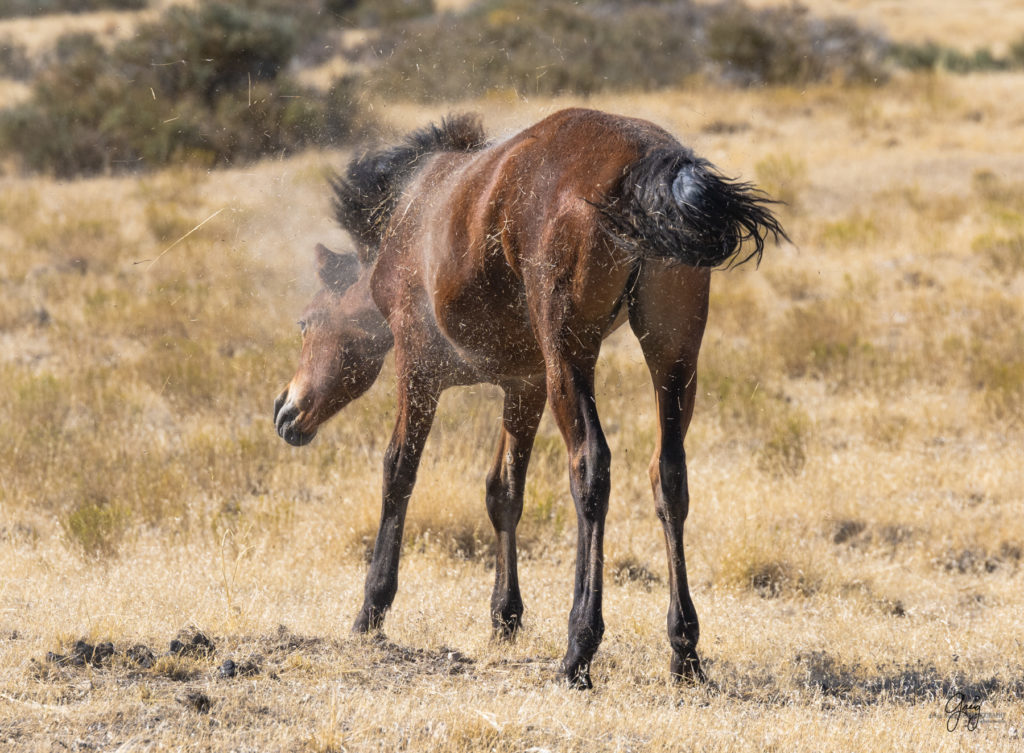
pixel 248 668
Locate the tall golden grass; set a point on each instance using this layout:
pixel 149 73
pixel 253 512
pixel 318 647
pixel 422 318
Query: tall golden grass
pixel 855 536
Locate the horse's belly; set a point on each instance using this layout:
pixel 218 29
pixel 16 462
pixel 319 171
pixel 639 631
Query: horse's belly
pixel 490 329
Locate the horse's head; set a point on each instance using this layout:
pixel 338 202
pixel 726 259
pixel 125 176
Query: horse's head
pixel 344 342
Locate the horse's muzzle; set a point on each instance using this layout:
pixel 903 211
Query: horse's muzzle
pixel 285 415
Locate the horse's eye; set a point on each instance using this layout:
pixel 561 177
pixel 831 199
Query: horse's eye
pixel 302 326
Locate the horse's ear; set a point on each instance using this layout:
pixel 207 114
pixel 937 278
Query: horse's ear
pixel 337 271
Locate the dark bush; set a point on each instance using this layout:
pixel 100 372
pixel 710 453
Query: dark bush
pixel 208 51
pixel 931 56
pixel 593 46
pixel 14 62
pixel 12 8
pixel 379 12
pixel 785 45
pixel 1017 53
pixel 541 49
pixel 201 85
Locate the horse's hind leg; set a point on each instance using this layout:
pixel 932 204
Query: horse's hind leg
pixel 571 395
pixel 524 405
pixel 417 403
pixel 667 312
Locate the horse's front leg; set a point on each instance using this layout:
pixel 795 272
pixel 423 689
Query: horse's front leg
pixel 416 406
pixel 571 395
pixel 524 405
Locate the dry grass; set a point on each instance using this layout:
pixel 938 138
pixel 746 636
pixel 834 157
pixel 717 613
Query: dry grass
pixel 856 528
pixel 952 22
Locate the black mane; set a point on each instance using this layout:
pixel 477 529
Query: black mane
pixel 366 195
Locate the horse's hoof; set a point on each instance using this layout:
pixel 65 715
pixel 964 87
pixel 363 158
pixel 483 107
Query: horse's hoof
pixel 577 674
pixel 506 628
pixel 367 624
pixel 687 670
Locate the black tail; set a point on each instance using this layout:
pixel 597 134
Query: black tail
pixel 366 195
pixel 672 204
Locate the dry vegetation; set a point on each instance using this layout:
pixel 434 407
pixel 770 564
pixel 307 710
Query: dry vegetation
pixel 856 533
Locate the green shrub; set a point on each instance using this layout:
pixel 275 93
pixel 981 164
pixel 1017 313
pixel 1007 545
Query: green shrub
pixel 209 50
pixel 785 45
pixel 96 527
pixel 379 12
pixel 1005 254
pixel 14 62
pixel 1017 52
pixel 541 49
pixel 587 47
pixel 785 448
pixel 782 177
pixel 214 96
pixel 930 56
pixel 13 8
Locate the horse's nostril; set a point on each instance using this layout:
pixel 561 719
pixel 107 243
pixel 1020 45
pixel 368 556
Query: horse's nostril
pixel 285 415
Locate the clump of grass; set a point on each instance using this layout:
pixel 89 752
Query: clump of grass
pixel 783 178
pixel 778 430
pixel 1002 198
pixel 1004 254
pixel 178 668
pixel 932 56
pixel 767 575
pixel 14 8
pixel 628 568
pixel 96 527
pixel 86 230
pixel 857 230
pixel 1001 386
pixel 829 339
pixel 785 446
pixel 183 370
pixel 887 430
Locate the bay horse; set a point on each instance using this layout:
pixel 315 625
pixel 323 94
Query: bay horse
pixel 509 263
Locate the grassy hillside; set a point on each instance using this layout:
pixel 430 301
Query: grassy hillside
pixel 855 536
